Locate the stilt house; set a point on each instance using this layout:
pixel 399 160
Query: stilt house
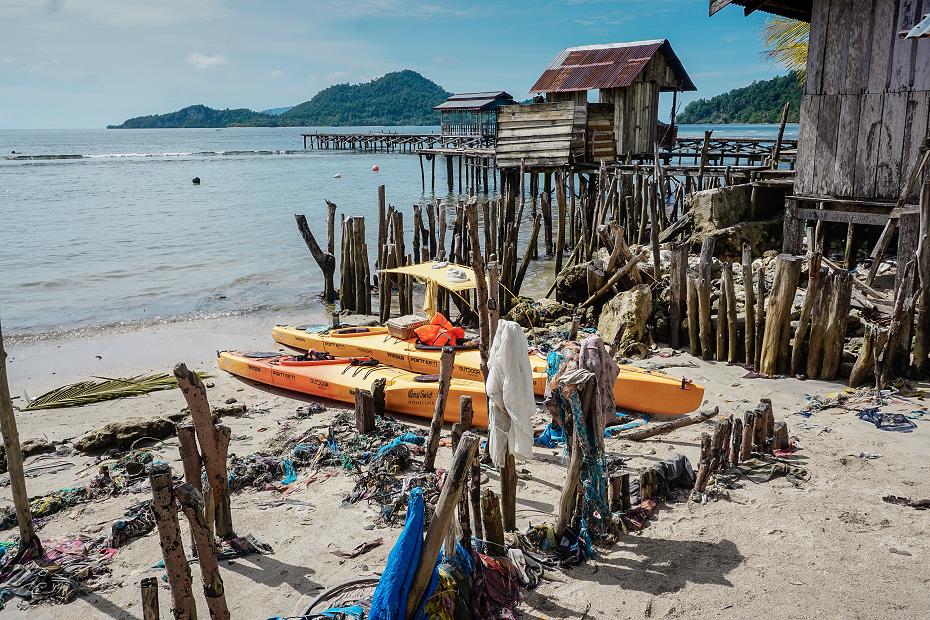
pixel 567 128
pixel 865 113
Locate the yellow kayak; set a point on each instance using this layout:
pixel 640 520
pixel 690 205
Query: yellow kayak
pixel 338 379
pixel 636 389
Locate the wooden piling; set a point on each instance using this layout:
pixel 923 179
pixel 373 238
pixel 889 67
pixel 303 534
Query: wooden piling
pixel 732 340
pixel 213 446
pixel 810 297
pixel 14 460
pixel 778 310
pixel 721 327
pixel 364 412
pixel 837 318
pixel 192 503
pixel 149 587
pixel 169 533
pixel 678 289
pixel 493 524
pixel 759 327
pixel 325 260
pixel 703 288
pixel 442 519
pixel 693 329
pixel 446 364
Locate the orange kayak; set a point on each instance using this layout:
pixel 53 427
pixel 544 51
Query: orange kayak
pixel 338 379
pixel 636 389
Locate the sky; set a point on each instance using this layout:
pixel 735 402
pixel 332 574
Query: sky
pixel 88 63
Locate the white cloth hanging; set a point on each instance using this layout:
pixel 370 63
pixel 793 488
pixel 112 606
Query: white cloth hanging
pixel 511 403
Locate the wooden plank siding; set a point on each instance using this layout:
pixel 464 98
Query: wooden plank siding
pixel 866 107
pixel 542 134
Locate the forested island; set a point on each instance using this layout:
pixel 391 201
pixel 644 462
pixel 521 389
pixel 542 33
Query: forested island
pixel 398 98
pixel 760 102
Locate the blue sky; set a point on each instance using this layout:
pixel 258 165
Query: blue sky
pixel 86 63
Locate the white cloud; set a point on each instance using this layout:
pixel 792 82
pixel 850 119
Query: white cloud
pixel 205 61
pixel 277 73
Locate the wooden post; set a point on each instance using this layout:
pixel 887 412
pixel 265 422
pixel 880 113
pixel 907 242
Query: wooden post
pixel 568 497
pixel 759 326
pixel 446 364
pixel 731 312
pixel 192 503
pixel 615 492
pixel 901 303
pixel 509 493
pixel 325 260
pixel 364 412
pixel 836 319
pixel 703 289
pixel 331 227
pixel 190 456
pixel 169 533
pixel 922 322
pixel 736 439
pixel 780 439
pixel 149 587
pixel 776 151
pixel 750 318
pixel 721 330
pixel 678 289
pixel 625 503
pixel 213 445
pixel 477 263
pixel 748 433
pixel 377 396
pixel 466 413
pixel 493 524
pixel 654 228
pixel 560 203
pixel 693 328
pixel 442 519
pixel 14 459
pixel 778 309
pixel 810 297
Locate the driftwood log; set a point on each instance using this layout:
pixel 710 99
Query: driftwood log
pixel 668 427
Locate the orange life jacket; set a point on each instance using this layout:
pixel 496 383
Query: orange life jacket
pixel 439 332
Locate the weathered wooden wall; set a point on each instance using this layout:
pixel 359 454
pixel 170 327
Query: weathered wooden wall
pixel 600 133
pixel 866 107
pixel 542 134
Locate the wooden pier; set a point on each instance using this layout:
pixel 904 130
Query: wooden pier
pixel 387 142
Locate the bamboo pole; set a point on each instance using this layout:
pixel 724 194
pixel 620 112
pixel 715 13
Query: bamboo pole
pixel 442 519
pixel 169 533
pixel 446 364
pixel 213 443
pixel 14 459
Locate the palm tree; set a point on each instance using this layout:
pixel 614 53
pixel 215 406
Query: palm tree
pixel 786 43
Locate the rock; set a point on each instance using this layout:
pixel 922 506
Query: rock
pixel 761 236
pixel 122 435
pixel 623 319
pixel 713 209
pixel 230 401
pixel 571 285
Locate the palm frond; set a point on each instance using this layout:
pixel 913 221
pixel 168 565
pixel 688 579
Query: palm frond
pixel 786 42
pixel 103 388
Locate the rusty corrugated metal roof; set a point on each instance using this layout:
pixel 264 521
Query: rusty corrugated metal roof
pixel 614 65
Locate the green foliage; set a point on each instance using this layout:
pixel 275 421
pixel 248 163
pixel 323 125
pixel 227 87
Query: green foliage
pixel 199 116
pixel 760 102
pixel 100 389
pixel 399 98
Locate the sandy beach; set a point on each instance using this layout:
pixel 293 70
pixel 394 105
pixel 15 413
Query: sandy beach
pixel 828 546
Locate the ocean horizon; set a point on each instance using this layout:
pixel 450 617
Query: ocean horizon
pixel 103 228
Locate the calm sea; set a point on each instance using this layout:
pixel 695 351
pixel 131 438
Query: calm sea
pixel 120 236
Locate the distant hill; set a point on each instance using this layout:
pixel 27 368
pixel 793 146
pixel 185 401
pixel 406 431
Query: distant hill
pixel 760 102
pixel 197 116
pixel 277 111
pixel 398 98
